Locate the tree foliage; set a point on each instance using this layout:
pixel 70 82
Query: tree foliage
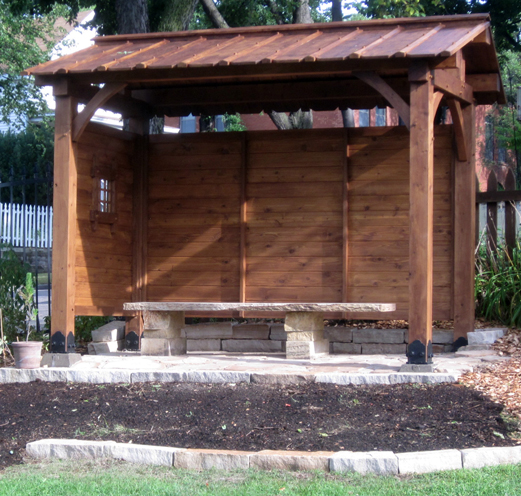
pixel 25 40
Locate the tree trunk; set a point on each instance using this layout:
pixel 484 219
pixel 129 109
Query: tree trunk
pixel 132 16
pixel 213 13
pixel 336 11
pixel 177 15
pixel 302 13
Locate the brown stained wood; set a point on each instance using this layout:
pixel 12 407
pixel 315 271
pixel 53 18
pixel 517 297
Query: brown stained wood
pixel 510 215
pixel 396 278
pixel 392 171
pixel 459 129
pixel 193 234
pixel 104 276
pixel 184 220
pixel 64 222
pixel 139 212
pixel 345 216
pixel 102 260
pixel 294 190
pixel 305 219
pixel 223 265
pixel 492 186
pixel 292 159
pixel 283 279
pixel 484 83
pixel 452 86
pixel 195 278
pixel 195 249
pixel 400 218
pixel 418 41
pixel 302 174
pixel 295 249
pixel 371 188
pixel 295 294
pixel 285 205
pixel 360 52
pixel 132 55
pixel 397 233
pixel 90 309
pixel 192 293
pixel 394 202
pixel 400 294
pixel 394 264
pixel 294 264
pixel 396 101
pixel 339 41
pixel 243 220
pixel 420 291
pixel 100 246
pixel 296 233
pixel 100 291
pixel 252 45
pixel 464 235
pixel 462 41
pixel 165 191
pixel 194 177
pixel 278 54
pixel 262 144
pixel 82 119
pixel 498 196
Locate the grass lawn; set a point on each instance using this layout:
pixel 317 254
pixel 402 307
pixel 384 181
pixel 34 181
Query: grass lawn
pixel 113 478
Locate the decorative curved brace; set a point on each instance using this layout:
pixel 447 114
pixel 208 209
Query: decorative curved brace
pixel 82 119
pixel 438 95
pixel 376 82
pixel 459 128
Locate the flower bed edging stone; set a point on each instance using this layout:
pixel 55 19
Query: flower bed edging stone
pixel 376 462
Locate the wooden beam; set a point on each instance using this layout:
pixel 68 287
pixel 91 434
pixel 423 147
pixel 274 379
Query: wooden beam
pixel 464 230
pixel 484 83
pixel 140 127
pixel 64 228
pixel 82 119
pixel 421 214
pixel 380 85
pixel 459 129
pixel 243 220
pixel 345 219
pixel 452 86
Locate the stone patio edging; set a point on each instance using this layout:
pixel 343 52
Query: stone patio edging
pixel 112 376
pixel 376 462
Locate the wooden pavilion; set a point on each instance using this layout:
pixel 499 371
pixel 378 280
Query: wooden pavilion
pixel 340 215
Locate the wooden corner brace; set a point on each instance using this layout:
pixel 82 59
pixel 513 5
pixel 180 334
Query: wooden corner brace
pixel 82 119
pixel 376 82
pixel 459 128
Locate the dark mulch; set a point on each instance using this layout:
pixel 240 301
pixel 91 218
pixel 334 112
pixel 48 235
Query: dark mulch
pixel 251 417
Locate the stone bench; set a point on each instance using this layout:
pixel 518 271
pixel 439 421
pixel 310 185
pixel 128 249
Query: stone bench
pixel 304 323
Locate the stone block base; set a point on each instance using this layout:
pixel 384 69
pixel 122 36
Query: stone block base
pixel 346 348
pixel 105 347
pixel 383 349
pixel 203 345
pixel 305 350
pixel 252 345
pixel 251 331
pixel 163 346
pixel 60 359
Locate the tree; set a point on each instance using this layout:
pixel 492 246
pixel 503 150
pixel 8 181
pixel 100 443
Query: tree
pixel 26 40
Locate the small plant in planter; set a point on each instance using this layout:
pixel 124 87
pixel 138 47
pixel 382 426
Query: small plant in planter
pixel 27 354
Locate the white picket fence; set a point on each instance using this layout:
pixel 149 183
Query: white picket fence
pixel 26 225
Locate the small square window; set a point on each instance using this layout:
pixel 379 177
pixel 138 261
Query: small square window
pixel 104 194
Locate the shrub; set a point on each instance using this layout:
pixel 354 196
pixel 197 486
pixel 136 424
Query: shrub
pixel 498 285
pixel 12 278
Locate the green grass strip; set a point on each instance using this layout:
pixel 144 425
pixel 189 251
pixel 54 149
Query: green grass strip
pixel 117 478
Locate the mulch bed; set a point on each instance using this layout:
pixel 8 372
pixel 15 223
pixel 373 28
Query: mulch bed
pixel 252 417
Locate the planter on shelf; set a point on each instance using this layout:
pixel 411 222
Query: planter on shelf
pixel 27 354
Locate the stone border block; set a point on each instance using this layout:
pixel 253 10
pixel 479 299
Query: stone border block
pixel 280 378
pixel 208 330
pixel 422 462
pixel 485 336
pixel 379 336
pixel 113 331
pixel 156 376
pixel 346 348
pixel 291 460
pixel 145 455
pixel 203 345
pixel 251 346
pixel 201 459
pixel 429 378
pixel 105 347
pixel 70 449
pixel 98 376
pixel 215 376
pixel 251 331
pixel 377 462
pixel 356 379
pixel 383 349
pixel 339 334
pixel 488 457
pixel 278 333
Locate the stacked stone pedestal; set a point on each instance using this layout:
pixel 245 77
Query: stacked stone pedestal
pixel 305 335
pixel 162 334
pixel 109 338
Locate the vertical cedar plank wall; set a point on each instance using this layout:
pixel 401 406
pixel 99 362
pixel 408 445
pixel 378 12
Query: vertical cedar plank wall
pixel 104 259
pixel 293 238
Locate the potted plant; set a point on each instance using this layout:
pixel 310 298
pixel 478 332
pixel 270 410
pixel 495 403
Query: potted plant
pixel 27 354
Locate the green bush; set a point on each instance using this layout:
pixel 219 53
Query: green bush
pixel 498 285
pixel 12 278
pixel 84 325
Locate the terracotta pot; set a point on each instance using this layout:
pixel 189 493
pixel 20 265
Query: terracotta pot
pixel 27 354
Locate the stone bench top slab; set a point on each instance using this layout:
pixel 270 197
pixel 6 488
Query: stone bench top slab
pixel 181 306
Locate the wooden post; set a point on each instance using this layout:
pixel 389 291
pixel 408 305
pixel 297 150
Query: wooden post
pixel 345 219
pixel 419 350
pixel 243 221
pixel 134 327
pixel 64 228
pixel 464 230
